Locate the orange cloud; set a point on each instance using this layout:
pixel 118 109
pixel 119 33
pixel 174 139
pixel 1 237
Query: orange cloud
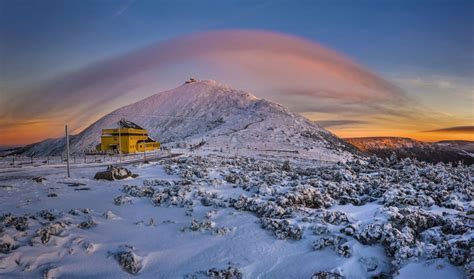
pixel 457 129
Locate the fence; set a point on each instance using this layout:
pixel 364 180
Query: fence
pixel 20 161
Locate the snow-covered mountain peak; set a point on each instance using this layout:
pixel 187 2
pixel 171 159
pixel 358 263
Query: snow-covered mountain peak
pixel 223 117
pixel 208 88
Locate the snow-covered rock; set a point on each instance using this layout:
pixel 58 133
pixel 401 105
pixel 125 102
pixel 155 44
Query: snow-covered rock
pixel 114 173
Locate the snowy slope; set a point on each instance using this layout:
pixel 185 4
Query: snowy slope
pixel 220 115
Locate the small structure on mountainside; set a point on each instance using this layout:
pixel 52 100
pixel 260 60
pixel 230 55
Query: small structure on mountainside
pixel 191 80
pixel 128 138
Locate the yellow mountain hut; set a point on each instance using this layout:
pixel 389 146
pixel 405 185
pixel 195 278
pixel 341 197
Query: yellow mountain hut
pixel 130 138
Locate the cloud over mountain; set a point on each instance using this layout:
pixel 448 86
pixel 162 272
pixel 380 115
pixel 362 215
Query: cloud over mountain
pixel 301 74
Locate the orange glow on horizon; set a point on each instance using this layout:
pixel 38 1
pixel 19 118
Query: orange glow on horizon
pixel 421 136
pixel 29 133
pixel 36 131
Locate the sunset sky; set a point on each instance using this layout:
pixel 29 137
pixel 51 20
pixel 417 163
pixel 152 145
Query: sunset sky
pixel 360 68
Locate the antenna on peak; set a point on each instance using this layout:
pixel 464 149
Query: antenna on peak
pixel 191 80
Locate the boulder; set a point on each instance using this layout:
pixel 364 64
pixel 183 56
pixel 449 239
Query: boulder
pixel 114 173
pixel 39 179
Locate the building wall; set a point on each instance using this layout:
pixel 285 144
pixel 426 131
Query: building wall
pixel 150 146
pixel 128 143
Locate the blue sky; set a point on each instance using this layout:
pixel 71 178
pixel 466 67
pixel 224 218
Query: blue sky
pixel 423 47
pixel 433 37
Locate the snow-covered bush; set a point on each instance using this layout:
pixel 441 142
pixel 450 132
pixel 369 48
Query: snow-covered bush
pixel 334 217
pixel 282 228
pixel 88 224
pixel 124 199
pixel 138 191
pixel 43 235
pixel 338 243
pixel 306 196
pixel 327 275
pixel 20 223
pixel 128 260
pixel 7 243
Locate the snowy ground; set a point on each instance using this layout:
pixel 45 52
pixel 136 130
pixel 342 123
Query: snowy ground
pixel 193 217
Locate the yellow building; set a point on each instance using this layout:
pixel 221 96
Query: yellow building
pixel 129 140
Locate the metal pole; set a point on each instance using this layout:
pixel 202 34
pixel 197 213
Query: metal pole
pixel 144 149
pixel 120 143
pixel 67 154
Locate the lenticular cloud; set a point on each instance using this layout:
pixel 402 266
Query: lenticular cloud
pixel 299 73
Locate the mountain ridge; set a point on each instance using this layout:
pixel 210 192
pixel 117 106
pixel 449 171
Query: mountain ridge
pixel 445 151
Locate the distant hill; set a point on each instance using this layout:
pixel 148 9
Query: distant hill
pixel 442 151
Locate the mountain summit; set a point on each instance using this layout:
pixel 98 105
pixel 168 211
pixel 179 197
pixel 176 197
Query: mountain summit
pixel 222 116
